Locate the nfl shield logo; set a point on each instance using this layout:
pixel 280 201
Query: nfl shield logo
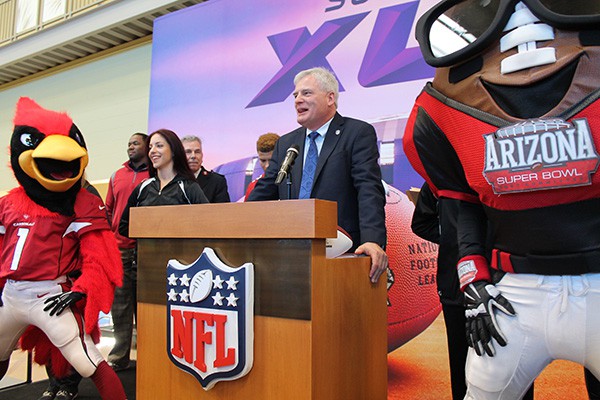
pixel 210 318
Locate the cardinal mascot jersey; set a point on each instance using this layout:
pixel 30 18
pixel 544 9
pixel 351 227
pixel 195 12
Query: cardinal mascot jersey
pixel 510 127
pixel 30 252
pixel 59 260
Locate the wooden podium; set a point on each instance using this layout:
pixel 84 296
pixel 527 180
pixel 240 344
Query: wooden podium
pixel 320 326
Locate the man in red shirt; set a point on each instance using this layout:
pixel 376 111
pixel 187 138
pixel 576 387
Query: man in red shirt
pixel 120 186
pixel 264 148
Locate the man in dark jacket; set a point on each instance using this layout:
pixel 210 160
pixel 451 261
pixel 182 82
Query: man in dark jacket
pixel 337 161
pixel 213 185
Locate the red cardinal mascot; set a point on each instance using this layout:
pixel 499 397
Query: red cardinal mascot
pixel 51 230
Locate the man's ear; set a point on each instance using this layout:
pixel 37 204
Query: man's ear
pixel 330 98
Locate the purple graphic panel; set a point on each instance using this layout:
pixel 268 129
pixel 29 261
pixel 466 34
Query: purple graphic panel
pixel 224 69
pixel 387 59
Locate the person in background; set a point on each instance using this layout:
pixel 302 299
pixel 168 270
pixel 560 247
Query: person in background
pixel 337 161
pixel 171 180
pixel 124 307
pixel 264 149
pixel 214 185
pixel 435 220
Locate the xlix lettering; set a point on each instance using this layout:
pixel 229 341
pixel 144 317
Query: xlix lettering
pixel 387 60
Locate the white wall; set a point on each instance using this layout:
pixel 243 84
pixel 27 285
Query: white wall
pixel 106 98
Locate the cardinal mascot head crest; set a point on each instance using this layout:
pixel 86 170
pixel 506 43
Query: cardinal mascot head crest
pixel 48 156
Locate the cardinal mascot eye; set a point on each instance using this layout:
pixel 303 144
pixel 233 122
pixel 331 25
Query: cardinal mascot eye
pixel 30 139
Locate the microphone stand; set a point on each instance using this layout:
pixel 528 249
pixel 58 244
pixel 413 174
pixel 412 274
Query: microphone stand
pixel 289 184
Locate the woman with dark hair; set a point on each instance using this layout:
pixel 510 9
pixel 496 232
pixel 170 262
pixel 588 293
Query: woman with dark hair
pixel 157 142
pixel 171 181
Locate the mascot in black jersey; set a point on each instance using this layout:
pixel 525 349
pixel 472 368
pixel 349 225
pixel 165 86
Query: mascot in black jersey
pixel 510 127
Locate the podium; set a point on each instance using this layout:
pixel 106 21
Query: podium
pixel 320 326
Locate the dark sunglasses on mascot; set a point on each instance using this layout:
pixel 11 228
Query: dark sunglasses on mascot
pixel 475 24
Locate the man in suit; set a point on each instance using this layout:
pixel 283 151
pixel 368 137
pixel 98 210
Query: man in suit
pixel 213 185
pixel 342 155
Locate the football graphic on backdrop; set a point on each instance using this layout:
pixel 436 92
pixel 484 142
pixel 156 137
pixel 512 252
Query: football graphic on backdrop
pixel 413 302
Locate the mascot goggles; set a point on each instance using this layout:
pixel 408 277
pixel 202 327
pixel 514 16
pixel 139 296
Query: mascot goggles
pixel 455 30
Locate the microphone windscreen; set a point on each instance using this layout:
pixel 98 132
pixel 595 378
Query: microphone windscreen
pixel 290 156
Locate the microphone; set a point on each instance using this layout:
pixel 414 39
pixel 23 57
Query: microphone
pixel 287 163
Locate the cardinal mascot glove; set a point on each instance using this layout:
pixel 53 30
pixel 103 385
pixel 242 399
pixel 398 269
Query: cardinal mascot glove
pixel 57 304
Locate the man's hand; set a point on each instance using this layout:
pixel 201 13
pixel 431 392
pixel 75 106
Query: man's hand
pixel 57 304
pixel 379 260
pixel 480 300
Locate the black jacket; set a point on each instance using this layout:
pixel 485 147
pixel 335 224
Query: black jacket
pixel 436 220
pixel 214 186
pixel 179 191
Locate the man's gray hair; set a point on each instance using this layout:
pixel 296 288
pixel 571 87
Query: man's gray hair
pixel 191 138
pixel 325 78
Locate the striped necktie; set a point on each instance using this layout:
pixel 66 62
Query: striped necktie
pixel 310 166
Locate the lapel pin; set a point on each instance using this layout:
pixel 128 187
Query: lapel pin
pixel 337 132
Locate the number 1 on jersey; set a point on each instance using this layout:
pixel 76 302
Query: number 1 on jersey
pixel 22 234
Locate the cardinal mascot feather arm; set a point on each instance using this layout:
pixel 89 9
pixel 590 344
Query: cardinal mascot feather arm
pixel 60 262
pixel 510 128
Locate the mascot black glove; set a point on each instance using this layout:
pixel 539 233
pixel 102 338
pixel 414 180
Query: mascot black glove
pixel 57 304
pixel 480 300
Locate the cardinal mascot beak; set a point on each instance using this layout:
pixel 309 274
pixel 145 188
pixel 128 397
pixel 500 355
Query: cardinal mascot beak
pixel 65 154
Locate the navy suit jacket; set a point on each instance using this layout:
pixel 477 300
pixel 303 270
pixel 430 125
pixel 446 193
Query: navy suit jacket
pixel 347 172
